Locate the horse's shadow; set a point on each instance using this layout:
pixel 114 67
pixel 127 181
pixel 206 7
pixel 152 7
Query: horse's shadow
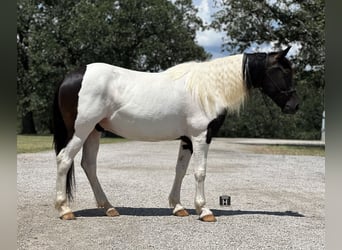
pixel 132 211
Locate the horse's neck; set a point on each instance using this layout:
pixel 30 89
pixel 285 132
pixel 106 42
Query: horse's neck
pixel 219 84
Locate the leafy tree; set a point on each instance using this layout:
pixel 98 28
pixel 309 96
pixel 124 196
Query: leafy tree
pixel 24 88
pixel 250 23
pixel 57 36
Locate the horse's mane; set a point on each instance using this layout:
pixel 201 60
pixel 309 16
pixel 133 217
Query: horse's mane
pixel 215 84
pixel 179 70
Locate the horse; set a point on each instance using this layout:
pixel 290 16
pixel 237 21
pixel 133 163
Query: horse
pixel 187 102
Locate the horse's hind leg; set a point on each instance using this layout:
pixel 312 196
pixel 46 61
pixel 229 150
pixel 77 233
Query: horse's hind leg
pixel 64 162
pixel 183 160
pixel 88 163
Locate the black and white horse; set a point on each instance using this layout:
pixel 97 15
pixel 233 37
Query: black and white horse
pixel 188 102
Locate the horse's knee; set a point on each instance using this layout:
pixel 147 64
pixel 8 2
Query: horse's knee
pixel 181 170
pixel 200 175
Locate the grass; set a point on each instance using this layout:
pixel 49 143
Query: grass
pixel 290 150
pixel 38 143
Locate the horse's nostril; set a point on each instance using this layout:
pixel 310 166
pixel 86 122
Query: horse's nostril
pixel 290 109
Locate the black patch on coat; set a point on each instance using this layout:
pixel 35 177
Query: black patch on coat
pixel 214 126
pixel 68 98
pixel 188 143
pixel 99 128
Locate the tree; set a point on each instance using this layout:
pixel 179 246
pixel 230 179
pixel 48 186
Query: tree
pixel 58 36
pixel 24 88
pixel 250 23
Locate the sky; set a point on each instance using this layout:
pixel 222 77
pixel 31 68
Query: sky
pixel 212 41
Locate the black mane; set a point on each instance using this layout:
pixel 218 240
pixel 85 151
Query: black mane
pixel 254 68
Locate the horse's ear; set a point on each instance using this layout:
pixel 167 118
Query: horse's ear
pixel 275 57
pixel 283 53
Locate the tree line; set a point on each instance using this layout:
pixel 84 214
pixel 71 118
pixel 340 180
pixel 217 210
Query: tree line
pixel 282 22
pixel 54 37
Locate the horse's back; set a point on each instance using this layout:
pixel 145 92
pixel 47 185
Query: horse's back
pixel 123 85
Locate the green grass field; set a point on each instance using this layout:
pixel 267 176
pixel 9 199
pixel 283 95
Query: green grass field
pixel 289 150
pixel 37 143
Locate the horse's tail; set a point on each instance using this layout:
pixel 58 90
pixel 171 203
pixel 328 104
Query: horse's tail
pixel 61 137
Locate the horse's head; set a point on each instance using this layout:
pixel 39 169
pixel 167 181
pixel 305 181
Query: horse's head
pixel 273 74
pixel 278 82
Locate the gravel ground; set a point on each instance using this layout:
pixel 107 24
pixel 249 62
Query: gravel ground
pixel 277 201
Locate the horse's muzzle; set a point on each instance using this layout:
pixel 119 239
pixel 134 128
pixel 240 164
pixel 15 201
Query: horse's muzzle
pixel 291 106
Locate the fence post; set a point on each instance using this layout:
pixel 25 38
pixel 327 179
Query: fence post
pixel 323 127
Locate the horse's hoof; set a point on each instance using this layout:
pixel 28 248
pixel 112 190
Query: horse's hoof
pixel 68 216
pixel 182 213
pixel 112 212
pixel 208 218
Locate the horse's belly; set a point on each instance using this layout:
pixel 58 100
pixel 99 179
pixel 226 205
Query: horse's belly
pixel 147 126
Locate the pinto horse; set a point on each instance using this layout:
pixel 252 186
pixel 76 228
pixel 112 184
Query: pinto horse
pixel 188 102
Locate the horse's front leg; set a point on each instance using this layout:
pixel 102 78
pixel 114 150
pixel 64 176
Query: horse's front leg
pixel 200 163
pixel 184 155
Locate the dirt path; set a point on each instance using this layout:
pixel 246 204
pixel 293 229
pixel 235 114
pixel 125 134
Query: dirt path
pixel 277 201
